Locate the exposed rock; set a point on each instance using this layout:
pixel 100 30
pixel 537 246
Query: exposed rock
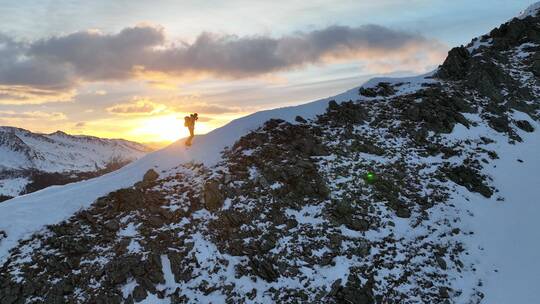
pixel 300 119
pixel 213 196
pixel 403 212
pixel 357 224
pixel 441 262
pixel 335 288
pixel 456 64
pixel 354 293
pixel 381 89
pixel 112 225
pixel 126 199
pixel 438 110
pixel 500 124
pixel 264 269
pixel 470 179
pixel 367 148
pixel 150 176
pixel 443 292
pixel 525 126
pixel 344 113
pixel 139 293
pixel 535 68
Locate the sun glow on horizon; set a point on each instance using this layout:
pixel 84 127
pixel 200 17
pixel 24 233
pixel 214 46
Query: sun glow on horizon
pixel 166 129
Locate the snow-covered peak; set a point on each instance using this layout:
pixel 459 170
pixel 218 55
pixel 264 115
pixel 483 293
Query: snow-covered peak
pixel 532 10
pixel 56 152
pixel 59 133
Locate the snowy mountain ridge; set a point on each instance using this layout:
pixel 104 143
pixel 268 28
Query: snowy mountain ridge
pixel 530 11
pixel 56 152
pixel 412 190
pixel 23 153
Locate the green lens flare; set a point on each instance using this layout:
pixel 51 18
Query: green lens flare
pixel 370 177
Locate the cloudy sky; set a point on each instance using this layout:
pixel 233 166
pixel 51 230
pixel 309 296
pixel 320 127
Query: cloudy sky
pixel 134 69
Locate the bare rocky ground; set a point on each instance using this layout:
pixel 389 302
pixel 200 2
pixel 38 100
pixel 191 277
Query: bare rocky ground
pixel 351 207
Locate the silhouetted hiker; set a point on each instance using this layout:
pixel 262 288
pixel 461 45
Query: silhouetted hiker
pixel 189 122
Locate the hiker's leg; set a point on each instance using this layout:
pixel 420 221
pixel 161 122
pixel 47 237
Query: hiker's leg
pixel 191 131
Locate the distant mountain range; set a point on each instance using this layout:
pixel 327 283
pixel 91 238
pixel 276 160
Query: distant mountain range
pixel 32 161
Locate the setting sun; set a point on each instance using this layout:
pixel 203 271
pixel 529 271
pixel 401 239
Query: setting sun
pixel 166 128
pixel 162 128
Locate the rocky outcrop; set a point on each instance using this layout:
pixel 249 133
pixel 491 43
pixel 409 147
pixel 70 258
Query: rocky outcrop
pixel 470 179
pixel 438 110
pixel 383 89
pixel 457 64
pixel 482 68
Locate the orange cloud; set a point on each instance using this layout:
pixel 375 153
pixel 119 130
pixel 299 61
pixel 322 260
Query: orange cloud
pixel 18 95
pixel 137 107
pixel 32 115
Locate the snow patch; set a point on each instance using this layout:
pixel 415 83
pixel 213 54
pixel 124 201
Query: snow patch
pixel 532 10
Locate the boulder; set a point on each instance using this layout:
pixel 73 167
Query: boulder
pixel 139 293
pixel 525 126
pixel 149 178
pixel 403 212
pixel 213 196
pixel 441 262
pixel 500 124
pixel 300 119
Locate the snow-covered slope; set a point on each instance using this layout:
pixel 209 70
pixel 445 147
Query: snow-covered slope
pixel 22 216
pixel 286 211
pixel 532 11
pixel 24 154
pixel 505 245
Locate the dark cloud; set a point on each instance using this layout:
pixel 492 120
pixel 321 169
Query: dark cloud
pixel 19 67
pixel 96 56
pixel 249 56
pixel 61 62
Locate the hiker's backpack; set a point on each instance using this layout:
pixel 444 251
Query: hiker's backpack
pixel 186 121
